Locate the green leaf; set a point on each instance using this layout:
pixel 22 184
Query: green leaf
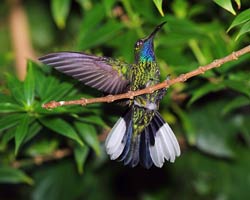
pixel 8 121
pixel 60 11
pixel 42 80
pixel 213 131
pixel 21 132
pixel 91 19
pixel 244 29
pixel 241 18
pixel 47 87
pixel 239 86
pixel 8 104
pixel 108 5
pixel 203 90
pixel 59 180
pixel 11 175
pixel 180 8
pixel 34 129
pixel 7 107
pixel 236 103
pixel 158 4
pixel 182 31
pixel 94 119
pixel 238 3
pixel 29 85
pixel 16 89
pixel 188 126
pixel 80 153
pixel 50 88
pixel 42 147
pixel 220 148
pixel 58 91
pixel 62 127
pixel 95 36
pixel 226 4
pixel 7 136
pixel 88 133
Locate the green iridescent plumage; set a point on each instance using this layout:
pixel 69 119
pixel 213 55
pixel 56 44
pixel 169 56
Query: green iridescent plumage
pixel 145 72
pixel 141 135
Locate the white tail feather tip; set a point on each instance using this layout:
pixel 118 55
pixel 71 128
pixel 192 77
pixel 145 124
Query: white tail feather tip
pixel 166 146
pixel 113 144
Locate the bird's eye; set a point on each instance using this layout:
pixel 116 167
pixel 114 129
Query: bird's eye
pixel 138 44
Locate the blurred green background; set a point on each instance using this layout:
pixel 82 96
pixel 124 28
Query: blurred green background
pixel 59 154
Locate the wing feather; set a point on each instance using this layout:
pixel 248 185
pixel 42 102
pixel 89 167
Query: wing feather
pixel 102 73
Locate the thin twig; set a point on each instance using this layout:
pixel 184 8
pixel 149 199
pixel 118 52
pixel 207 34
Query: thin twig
pixel 150 89
pixel 40 159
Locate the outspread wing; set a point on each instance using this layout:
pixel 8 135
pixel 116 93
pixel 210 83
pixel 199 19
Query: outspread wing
pixel 103 73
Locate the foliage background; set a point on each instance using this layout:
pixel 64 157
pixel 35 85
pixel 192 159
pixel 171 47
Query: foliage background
pixel 59 154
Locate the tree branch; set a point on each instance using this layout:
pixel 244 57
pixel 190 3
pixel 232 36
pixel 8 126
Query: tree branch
pixel 40 159
pixel 151 89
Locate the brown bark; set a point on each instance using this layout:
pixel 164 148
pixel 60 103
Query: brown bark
pixel 20 38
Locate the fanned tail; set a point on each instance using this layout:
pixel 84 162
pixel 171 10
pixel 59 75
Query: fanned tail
pixel 154 145
pixel 165 144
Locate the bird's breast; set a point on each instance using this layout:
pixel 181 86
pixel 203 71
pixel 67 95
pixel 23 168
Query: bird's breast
pixel 144 74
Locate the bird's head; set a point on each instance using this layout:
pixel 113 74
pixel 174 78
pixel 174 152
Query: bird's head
pixel 144 48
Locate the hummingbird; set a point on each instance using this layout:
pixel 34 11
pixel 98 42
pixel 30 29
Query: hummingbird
pixel 141 135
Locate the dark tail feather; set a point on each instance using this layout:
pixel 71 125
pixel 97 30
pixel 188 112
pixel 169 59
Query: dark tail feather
pixel 127 140
pixel 145 158
pixel 155 144
pixel 130 154
pixel 132 159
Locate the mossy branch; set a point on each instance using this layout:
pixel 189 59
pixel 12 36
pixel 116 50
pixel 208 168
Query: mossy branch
pixel 165 84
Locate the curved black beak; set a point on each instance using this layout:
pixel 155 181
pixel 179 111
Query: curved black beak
pixel 157 28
